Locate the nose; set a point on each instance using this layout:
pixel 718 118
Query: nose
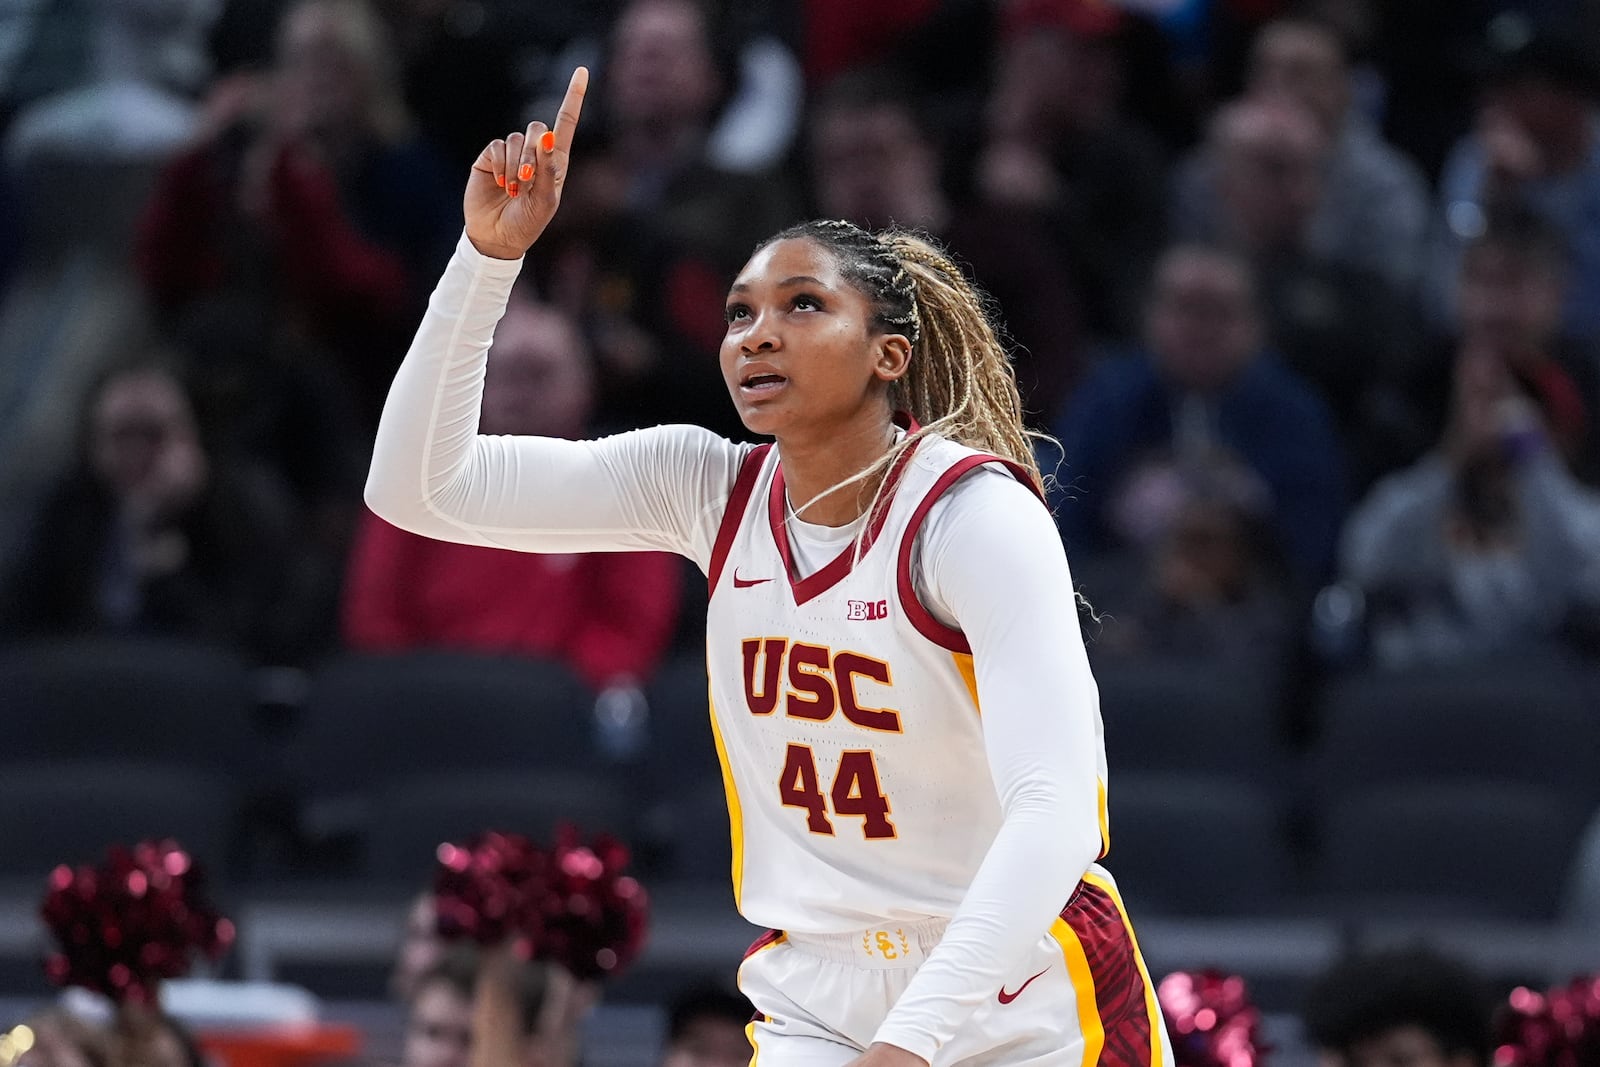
pixel 760 337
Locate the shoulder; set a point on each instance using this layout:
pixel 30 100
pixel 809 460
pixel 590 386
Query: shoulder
pixel 987 490
pixel 974 506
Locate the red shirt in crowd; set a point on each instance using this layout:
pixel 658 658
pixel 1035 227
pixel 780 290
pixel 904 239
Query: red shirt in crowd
pixel 609 616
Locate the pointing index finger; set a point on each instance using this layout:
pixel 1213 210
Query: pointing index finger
pixel 571 107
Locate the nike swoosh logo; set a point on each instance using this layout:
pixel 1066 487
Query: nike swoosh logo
pixel 746 583
pixel 1007 998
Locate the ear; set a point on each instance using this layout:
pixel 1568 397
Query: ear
pixel 892 358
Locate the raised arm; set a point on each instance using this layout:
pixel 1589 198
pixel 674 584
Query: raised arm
pixel 434 474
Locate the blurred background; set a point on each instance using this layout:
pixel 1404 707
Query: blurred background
pixel 1308 293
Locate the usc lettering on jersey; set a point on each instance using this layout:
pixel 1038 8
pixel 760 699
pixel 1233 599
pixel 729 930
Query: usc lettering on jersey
pixel 845 714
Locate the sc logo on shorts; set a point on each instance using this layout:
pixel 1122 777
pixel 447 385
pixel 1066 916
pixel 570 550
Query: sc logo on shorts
pixel 866 610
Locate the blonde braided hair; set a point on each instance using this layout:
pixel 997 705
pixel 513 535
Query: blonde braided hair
pixel 960 383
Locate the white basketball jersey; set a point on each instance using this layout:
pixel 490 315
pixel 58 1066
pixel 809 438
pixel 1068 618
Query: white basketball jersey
pixel 845 714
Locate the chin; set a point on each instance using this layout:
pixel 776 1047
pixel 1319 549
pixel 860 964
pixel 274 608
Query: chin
pixel 760 422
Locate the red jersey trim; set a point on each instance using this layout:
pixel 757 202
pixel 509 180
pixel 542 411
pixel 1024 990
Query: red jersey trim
pixel 744 486
pixel 825 578
pixel 944 636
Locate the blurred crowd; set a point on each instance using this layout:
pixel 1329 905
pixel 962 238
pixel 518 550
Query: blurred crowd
pixel 1307 291
pixel 458 1004
pixel 465 1006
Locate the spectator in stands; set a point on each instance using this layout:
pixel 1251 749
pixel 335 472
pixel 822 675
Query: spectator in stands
pixel 608 616
pixel 489 1008
pixel 875 162
pixel 1486 546
pixel 1057 141
pixel 313 191
pixel 147 61
pixel 1409 1006
pixel 706 1028
pixel 270 399
pixel 1204 382
pixel 1213 585
pixel 841 35
pixel 439 1012
pixel 455 59
pixel 644 248
pixel 1537 143
pixel 457 62
pixel 1515 281
pixel 154 534
pixel 1344 328
pixel 1373 211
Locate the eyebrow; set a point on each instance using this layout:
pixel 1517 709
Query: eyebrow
pixel 798 279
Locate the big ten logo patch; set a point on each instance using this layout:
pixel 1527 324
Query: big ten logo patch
pixel 820 682
pixel 866 610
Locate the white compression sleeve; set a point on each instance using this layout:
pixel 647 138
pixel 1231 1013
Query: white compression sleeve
pixel 992 562
pixel 434 474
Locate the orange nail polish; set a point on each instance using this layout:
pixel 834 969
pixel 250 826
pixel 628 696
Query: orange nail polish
pixel 526 173
pixel 512 189
pixel 547 140
pixel 500 180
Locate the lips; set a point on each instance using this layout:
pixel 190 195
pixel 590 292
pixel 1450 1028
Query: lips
pixel 758 382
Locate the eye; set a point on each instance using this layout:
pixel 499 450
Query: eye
pixel 806 302
pixel 735 312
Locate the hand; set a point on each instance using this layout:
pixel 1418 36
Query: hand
pixel 568 1001
pixel 515 185
pixel 882 1055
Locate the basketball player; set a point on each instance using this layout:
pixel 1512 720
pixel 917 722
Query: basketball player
pixel 909 733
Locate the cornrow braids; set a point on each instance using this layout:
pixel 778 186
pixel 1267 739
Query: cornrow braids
pixel 960 382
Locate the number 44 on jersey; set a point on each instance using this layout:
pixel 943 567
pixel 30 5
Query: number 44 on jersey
pixel 822 683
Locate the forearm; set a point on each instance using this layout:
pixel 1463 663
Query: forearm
pixel 497 1022
pixel 433 474
pixel 1043 849
pixel 999 572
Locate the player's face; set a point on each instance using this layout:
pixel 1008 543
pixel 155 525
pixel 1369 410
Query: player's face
pixel 801 354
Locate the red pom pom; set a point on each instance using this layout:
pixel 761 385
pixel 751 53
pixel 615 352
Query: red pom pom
pixel 487 890
pixel 573 905
pixel 1211 1020
pixel 597 917
pixel 138 918
pixel 1559 1028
